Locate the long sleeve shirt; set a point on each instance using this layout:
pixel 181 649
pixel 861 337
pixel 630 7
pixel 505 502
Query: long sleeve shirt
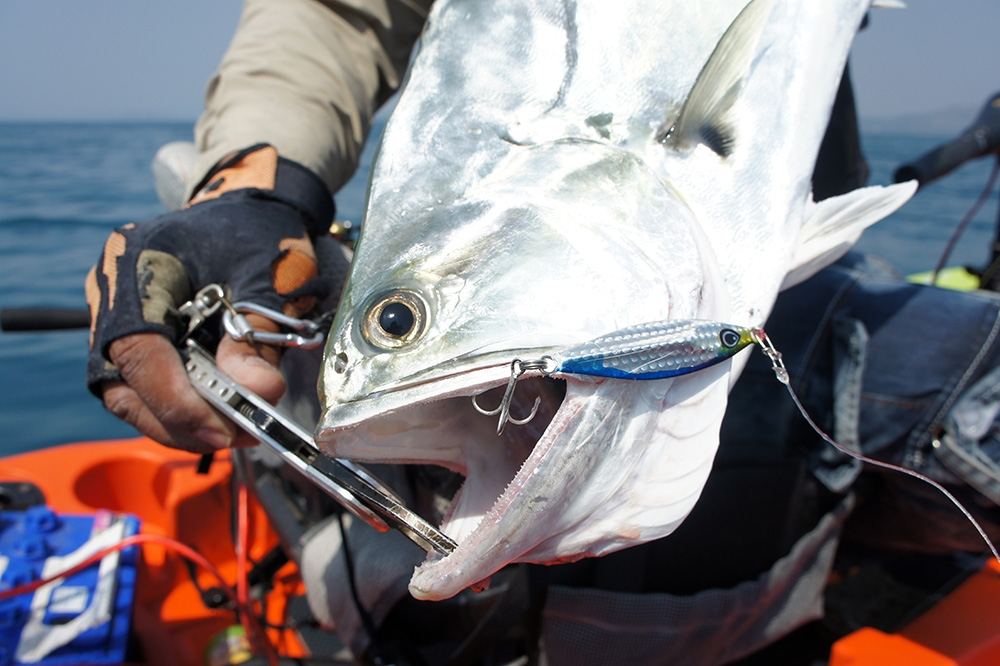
pixel 307 76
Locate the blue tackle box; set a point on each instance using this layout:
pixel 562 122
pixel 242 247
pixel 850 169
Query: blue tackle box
pixel 83 619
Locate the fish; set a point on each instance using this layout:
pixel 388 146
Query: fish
pixel 555 171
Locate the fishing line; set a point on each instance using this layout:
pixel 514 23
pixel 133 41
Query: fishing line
pixel 960 229
pixel 781 373
pixel 366 619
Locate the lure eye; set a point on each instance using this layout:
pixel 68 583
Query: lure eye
pixel 395 320
pixel 729 338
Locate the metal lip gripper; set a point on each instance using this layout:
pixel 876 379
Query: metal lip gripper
pixel 347 483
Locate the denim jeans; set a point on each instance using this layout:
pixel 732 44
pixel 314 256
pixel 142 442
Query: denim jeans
pixel 904 373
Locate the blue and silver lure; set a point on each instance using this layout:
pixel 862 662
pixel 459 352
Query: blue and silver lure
pixel 653 350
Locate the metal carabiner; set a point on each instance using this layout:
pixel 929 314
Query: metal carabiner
pixel 204 304
pixel 307 333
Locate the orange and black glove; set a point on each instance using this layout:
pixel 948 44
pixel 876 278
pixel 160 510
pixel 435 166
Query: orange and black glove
pixel 249 227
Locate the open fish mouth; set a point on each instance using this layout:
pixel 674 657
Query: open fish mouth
pixel 603 464
pixel 447 431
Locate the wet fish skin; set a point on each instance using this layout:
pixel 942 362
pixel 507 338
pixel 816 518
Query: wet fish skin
pixel 547 178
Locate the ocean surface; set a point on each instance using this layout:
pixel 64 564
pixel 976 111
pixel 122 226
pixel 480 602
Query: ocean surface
pixel 64 187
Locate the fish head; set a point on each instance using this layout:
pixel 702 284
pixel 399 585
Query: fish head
pixel 544 252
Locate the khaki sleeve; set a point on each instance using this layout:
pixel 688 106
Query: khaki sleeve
pixel 306 76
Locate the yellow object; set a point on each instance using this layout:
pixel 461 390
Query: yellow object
pixel 955 277
pixel 229 647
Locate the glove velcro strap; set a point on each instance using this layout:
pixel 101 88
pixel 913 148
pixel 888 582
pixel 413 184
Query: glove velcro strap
pixel 261 168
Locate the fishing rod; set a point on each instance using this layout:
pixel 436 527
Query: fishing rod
pixel 980 139
pixel 24 320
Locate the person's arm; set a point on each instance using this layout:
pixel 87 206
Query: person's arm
pixel 306 77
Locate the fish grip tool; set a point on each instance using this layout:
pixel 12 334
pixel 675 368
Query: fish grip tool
pixel 347 483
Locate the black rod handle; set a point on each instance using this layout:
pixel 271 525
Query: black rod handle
pixel 942 160
pixel 43 319
pixel 979 139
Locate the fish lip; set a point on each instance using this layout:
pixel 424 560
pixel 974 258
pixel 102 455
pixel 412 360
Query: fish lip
pixel 486 361
pixel 490 371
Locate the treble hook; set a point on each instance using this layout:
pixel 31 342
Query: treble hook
pixel 517 368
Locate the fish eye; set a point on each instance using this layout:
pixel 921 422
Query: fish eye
pixel 395 319
pixel 729 338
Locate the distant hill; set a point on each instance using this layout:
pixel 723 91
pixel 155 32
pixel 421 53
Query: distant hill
pixel 943 122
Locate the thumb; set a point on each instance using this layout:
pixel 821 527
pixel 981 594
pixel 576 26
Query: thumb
pixel 253 365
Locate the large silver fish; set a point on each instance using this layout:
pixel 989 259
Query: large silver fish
pixel 556 170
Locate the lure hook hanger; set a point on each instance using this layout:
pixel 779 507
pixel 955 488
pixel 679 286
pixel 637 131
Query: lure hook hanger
pixel 517 368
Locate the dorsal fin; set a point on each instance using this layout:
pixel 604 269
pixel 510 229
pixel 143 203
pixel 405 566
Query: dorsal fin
pixel 833 225
pixel 704 118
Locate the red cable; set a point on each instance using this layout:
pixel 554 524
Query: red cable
pixel 242 543
pixel 136 539
pixel 256 634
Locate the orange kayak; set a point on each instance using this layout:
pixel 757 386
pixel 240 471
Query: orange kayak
pixel 172 624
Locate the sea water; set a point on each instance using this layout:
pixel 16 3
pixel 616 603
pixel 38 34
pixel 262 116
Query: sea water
pixel 64 187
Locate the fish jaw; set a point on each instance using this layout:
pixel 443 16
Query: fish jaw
pixel 617 464
pixel 620 464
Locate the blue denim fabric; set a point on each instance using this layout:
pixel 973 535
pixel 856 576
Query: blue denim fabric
pixel 904 373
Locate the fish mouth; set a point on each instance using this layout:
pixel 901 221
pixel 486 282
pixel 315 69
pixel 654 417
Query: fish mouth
pixel 447 431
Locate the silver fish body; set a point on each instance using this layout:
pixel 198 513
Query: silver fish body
pixel 553 171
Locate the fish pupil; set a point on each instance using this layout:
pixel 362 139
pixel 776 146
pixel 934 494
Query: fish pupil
pixel 396 319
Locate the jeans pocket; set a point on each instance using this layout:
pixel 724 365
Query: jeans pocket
pixel 969 446
pixel 850 343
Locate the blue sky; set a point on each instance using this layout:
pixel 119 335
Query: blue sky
pixel 134 59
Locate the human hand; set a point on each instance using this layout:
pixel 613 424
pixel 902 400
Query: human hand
pixel 248 229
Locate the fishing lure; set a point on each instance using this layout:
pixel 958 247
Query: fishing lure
pixel 654 350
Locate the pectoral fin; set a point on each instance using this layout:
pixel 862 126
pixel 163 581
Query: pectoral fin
pixel 704 118
pixel 835 224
